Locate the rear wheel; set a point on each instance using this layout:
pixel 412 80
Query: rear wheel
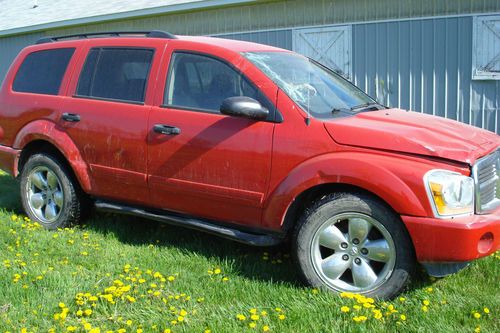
pixel 48 193
pixel 354 243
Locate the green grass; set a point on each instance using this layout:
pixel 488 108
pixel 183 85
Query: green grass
pixel 54 267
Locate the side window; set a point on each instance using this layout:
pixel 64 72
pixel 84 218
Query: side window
pixel 115 73
pixel 42 71
pixel 202 83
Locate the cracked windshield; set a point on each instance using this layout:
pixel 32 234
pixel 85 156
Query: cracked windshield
pixel 317 90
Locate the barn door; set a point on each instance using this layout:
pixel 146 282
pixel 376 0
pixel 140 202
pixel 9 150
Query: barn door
pixel 330 46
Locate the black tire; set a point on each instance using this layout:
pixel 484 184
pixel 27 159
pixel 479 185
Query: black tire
pixel 72 203
pixel 346 210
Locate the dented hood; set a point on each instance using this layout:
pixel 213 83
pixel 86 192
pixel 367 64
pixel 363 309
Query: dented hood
pixel 415 133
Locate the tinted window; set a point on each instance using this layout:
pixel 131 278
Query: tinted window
pixel 201 82
pixel 42 72
pixel 119 74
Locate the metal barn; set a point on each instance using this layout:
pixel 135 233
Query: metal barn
pixel 440 57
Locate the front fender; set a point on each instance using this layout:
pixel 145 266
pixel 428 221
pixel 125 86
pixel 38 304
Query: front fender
pixel 48 131
pixel 396 179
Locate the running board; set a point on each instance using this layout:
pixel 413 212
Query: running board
pixel 193 223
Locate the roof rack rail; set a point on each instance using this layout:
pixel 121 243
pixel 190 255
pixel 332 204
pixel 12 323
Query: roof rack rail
pixel 150 34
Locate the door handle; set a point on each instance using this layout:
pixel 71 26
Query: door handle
pixel 166 129
pixel 71 117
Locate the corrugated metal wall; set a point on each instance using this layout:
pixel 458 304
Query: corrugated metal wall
pixel 425 65
pixel 421 64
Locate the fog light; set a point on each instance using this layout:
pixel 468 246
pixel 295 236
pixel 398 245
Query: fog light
pixel 485 242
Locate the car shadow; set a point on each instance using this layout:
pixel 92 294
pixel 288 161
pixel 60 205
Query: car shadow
pixel 248 261
pixel 245 260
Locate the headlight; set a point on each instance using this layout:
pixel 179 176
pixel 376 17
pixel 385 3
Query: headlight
pixel 450 193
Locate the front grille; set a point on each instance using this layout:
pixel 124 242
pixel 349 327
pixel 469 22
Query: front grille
pixel 486 174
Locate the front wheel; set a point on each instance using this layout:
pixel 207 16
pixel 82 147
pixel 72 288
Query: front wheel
pixel 354 243
pixel 49 194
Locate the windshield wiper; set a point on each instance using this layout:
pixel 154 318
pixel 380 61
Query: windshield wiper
pixel 337 110
pixel 366 105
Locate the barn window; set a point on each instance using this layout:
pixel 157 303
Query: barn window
pixel 330 46
pixel 486 48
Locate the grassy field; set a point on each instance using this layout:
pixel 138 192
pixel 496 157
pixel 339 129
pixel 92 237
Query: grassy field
pixel 124 274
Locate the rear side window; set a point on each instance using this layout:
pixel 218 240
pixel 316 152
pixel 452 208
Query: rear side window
pixel 42 71
pixel 116 74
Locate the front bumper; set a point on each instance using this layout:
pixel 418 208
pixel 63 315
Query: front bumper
pixel 9 159
pixel 459 239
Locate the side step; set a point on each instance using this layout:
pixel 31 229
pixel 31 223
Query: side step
pixel 193 223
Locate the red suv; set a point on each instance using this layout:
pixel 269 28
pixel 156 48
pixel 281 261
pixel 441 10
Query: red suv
pixel 252 143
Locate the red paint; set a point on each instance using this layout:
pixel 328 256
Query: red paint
pixel 242 171
pixel 8 159
pixel 453 240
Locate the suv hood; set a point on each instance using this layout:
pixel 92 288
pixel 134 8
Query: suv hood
pixel 415 133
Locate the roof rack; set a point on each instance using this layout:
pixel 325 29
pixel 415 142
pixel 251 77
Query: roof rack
pixel 149 34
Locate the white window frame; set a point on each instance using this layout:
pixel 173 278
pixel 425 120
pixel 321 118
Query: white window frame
pixel 478 62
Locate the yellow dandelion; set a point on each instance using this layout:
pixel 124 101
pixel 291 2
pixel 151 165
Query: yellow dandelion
pixel 426 302
pixel 425 308
pixel 477 315
pixel 252 324
pixel 486 310
pixel 359 319
pixel 265 328
pixel 402 317
pixel 281 317
pixel 345 309
pixel 241 317
pixel 254 317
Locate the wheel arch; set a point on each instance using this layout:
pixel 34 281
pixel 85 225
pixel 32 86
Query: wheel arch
pixel 310 195
pixel 43 135
pixel 393 180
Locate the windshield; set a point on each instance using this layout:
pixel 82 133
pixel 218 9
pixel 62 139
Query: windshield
pixel 317 90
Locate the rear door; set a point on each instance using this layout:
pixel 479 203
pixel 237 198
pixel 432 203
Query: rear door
pixel 211 165
pixel 106 115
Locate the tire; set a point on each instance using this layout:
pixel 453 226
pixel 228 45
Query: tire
pixel 49 194
pixel 353 243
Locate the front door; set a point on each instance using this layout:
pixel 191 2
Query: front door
pixel 204 163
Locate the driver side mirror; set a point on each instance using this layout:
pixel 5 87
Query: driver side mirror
pixel 244 107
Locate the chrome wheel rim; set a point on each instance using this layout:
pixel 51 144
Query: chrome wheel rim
pixel 353 252
pixel 45 195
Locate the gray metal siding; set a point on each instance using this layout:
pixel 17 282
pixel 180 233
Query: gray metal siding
pixel 422 65
pixel 426 66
